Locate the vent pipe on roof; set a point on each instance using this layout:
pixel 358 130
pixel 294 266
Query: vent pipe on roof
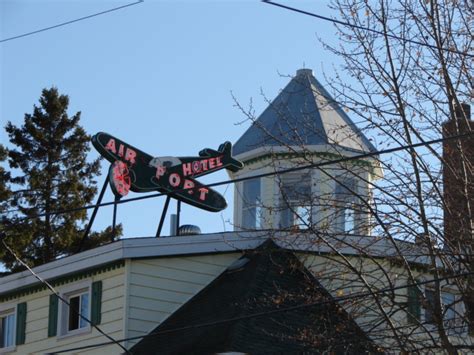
pixel 173 224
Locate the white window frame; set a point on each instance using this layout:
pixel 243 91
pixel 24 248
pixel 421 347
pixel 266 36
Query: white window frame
pixel 296 211
pixel 346 199
pixel 457 308
pixel 456 324
pixel 349 218
pixel 67 293
pixel 255 207
pixel 6 309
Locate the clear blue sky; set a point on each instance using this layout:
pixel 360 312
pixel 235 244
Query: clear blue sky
pixel 158 75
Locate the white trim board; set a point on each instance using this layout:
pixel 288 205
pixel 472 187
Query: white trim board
pixel 151 247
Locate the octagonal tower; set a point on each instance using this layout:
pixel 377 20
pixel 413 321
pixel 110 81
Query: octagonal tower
pixel 304 126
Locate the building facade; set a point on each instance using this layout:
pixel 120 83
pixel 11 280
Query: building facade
pixel 301 272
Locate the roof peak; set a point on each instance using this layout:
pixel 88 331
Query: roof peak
pixel 303 115
pixel 304 71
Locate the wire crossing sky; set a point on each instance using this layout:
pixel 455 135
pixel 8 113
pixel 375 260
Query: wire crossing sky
pixel 262 175
pixel 69 22
pixel 161 76
pixel 343 23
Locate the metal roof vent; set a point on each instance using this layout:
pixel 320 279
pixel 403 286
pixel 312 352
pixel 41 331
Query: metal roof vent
pixel 188 229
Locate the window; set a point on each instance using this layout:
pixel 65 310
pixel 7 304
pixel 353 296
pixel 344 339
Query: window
pixel 413 304
pixel 448 308
pixel 251 205
pixel 453 308
pixel 349 218
pixel 78 304
pixel 346 196
pixel 82 307
pixel 7 328
pixel 449 311
pixel 302 218
pixel 72 313
pixel 12 326
pixel 430 299
pixel 296 201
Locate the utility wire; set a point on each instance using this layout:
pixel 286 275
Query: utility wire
pixel 364 28
pixel 265 313
pixel 282 171
pixel 70 22
pixel 51 288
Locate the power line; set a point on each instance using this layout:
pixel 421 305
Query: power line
pixel 51 288
pixel 282 171
pixel 265 313
pixel 70 22
pixel 321 17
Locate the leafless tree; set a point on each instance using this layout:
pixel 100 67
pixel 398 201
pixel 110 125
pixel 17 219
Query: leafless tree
pixel 407 71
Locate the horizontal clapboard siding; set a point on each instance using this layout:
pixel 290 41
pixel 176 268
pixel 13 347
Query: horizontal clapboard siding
pixel 37 341
pixel 158 287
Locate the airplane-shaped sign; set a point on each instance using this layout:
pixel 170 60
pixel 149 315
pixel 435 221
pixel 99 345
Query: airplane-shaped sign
pixel 134 170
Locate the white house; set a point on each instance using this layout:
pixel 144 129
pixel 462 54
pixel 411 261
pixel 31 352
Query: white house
pixel 300 273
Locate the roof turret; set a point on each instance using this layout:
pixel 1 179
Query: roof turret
pixel 303 115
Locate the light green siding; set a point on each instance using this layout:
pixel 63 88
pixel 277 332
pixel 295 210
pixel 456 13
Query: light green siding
pixel 350 276
pixel 158 287
pixel 37 318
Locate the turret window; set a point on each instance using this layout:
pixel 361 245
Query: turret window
pixel 251 205
pixel 295 204
pixel 349 218
pixel 346 196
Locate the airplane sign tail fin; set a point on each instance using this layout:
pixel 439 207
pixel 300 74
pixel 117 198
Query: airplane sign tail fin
pixel 228 161
pixel 232 164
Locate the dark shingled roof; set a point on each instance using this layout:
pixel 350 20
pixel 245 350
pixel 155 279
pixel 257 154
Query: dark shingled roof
pixel 303 114
pixel 264 280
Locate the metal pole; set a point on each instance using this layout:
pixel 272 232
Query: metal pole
pixel 114 220
pixel 94 213
pixel 178 213
pixel 163 215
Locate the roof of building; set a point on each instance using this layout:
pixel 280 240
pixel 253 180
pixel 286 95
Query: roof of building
pixel 303 114
pixel 133 248
pixel 223 316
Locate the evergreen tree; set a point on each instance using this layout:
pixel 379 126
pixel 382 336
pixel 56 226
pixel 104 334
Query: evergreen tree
pixel 51 173
pixel 4 181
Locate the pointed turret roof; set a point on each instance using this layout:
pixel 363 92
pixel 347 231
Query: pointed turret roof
pixel 303 114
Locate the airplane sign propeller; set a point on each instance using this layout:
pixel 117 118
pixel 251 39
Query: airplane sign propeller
pixel 134 170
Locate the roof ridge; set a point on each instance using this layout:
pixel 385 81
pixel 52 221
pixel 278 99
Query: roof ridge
pixel 337 107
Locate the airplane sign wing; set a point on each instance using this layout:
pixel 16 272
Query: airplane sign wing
pixel 137 161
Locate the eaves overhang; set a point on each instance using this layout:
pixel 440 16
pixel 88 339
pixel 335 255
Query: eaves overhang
pixel 317 153
pixel 139 248
pixel 132 248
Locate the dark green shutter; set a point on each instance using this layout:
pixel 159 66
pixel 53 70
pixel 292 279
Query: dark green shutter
pixel 20 323
pixel 96 302
pixel 413 304
pixel 53 316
